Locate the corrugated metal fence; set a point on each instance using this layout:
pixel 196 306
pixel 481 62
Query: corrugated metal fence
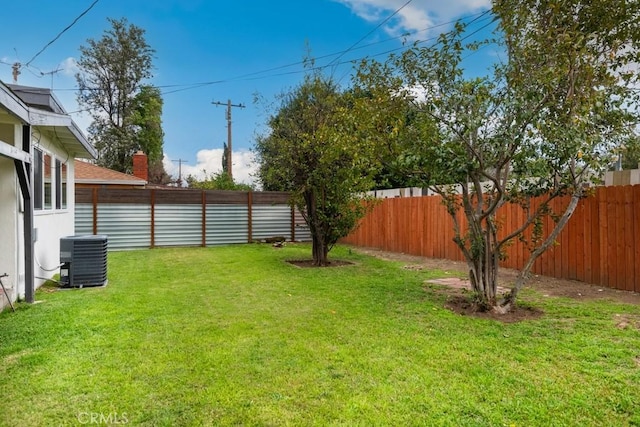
pixel 600 244
pixel 148 218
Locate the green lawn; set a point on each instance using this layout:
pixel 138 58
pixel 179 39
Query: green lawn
pixel 236 336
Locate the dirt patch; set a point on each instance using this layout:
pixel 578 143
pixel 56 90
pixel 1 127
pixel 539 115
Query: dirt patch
pixel 547 286
pixel 308 263
pixel 627 321
pixel 463 305
pixel 12 359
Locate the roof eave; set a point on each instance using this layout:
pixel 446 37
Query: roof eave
pixel 66 130
pixel 13 104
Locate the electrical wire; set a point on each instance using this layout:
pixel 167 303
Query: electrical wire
pixel 35 256
pixel 370 32
pixel 258 75
pixel 478 18
pixel 62 32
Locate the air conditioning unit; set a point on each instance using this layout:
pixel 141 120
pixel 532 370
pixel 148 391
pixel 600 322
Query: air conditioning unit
pixel 84 261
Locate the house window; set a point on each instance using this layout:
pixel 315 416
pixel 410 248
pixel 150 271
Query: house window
pixel 61 185
pixel 38 179
pixel 48 196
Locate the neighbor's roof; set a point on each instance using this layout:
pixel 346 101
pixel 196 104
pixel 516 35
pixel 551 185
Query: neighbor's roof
pixel 88 173
pixel 46 112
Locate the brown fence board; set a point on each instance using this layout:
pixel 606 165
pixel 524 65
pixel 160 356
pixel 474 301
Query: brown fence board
pixel 129 196
pixel 605 243
pixel 221 197
pixel 270 198
pixel 599 245
pixel 629 271
pixel 546 265
pixel 617 262
pixel 596 248
pixel 588 247
pixel 557 256
pixel 636 238
pixel 572 232
pixel 181 197
pixel 581 244
pixel 84 195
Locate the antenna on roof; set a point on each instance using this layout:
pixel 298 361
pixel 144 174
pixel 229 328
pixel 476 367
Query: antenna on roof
pixel 15 71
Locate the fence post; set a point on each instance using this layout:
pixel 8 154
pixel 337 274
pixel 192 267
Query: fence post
pixel 204 219
pixel 293 223
pixel 153 218
pixel 250 216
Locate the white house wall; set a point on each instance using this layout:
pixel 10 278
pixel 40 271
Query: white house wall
pixel 8 226
pixel 54 134
pixel 9 250
pixel 51 224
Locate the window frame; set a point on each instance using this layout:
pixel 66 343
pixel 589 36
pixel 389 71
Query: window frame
pixel 38 179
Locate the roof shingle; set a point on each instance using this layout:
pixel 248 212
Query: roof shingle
pixel 88 173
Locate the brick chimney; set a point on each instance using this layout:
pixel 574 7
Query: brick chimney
pixel 140 166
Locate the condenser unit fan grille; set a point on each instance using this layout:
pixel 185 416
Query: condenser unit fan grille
pixel 84 260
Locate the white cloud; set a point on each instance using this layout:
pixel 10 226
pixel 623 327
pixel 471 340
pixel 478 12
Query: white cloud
pixel 210 161
pixel 69 66
pixel 417 15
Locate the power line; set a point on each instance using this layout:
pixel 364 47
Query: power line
pixel 370 32
pixel 478 18
pixel 62 32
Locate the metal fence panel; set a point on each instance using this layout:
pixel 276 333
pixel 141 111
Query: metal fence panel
pixel 83 219
pixel 128 226
pixel 178 225
pixel 302 229
pixel 271 221
pixel 227 224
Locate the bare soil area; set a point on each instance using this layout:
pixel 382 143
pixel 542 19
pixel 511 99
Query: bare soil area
pixel 457 286
pixel 308 263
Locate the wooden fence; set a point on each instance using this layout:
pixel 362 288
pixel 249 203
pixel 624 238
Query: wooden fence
pixel 599 245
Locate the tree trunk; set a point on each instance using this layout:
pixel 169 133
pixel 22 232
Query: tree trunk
pixel 483 274
pixel 320 248
pixel 320 251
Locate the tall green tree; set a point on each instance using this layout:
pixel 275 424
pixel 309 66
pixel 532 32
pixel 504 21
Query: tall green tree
pixel 125 112
pixel 542 124
pixel 147 126
pixel 314 150
pixel 217 181
pixel 628 155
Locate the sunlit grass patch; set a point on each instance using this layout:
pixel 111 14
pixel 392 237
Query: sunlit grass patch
pixel 236 335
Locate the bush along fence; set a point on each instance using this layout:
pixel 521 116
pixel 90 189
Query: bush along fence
pixel 149 218
pixel 600 244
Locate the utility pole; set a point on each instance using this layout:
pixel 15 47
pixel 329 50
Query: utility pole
pixel 180 162
pixel 229 149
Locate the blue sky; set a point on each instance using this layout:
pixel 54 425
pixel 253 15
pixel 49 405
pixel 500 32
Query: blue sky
pixel 239 49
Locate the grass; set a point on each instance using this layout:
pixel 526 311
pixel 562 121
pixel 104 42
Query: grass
pixel 236 336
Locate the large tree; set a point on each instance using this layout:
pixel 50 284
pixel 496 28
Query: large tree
pixel 314 149
pixel 217 181
pixel 542 125
pixel 126 112
pixel 147 127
